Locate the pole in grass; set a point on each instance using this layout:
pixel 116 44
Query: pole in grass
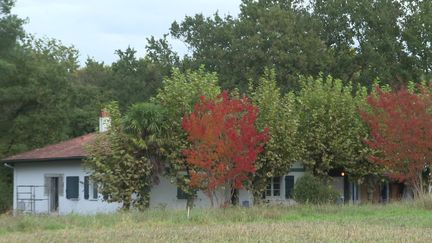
pixel 188 212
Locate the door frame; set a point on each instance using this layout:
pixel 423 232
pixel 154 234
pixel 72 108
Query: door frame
pixel 53 195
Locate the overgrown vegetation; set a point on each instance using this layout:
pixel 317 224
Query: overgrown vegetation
pixel 127 160
pixel 309 189
pixel 394 222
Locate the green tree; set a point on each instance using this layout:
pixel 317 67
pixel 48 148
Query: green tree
pixel 11 31
pixel 278 115
pixel 351 40
pixel 88 96
pixel 178 95
pixel 418 36
pixel 366 39
pixel 330 130
pixel 128 160
pixel 34 95
pixel 265 34
pixel 133 79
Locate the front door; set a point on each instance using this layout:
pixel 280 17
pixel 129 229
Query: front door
pixel 54 194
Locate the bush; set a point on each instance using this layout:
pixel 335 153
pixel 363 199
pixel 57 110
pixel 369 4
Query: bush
pixel 309 189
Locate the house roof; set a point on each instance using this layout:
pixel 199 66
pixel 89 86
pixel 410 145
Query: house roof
pixel 66 150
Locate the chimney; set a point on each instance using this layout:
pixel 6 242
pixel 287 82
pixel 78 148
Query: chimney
pixel 104 121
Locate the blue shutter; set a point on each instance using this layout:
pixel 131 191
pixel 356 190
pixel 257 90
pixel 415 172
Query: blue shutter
pixel 86 187
pixel 289 186
pixel 95 191
pixel 72 187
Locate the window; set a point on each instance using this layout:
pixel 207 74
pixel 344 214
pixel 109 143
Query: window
pixel 90 189
pixel 72 187
pixel 289 186
pixel 273 187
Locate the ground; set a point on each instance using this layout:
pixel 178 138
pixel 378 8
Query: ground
pixel 399 222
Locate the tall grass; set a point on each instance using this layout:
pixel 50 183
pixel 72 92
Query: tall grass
pixel 173 225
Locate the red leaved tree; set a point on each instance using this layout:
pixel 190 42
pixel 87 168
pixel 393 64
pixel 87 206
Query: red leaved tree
pixel 400 125
pixel 224 145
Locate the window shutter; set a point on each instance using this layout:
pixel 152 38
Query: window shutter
pixel 95 190
pixel 86 187
pixel 61 185
pixel 289 186
pixel 72 187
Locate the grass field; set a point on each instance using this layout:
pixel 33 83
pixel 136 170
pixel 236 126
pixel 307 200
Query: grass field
pixel 400 222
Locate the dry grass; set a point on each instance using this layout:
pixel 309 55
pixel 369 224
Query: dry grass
pixel 391 223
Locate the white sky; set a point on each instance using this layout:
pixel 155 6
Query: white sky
pixel 99 27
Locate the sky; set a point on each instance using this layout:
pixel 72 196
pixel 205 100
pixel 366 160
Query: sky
pixel 99 27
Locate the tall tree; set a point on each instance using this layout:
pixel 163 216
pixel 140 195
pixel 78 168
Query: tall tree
pixel 179 93
pixel 418 36
pixel 330 129
pixel 279 116
pixel 265 34
pixel 401 128
pixel 11 31
pixel 225 145
pixel 133 79
pixel 366 39
pixel 35 100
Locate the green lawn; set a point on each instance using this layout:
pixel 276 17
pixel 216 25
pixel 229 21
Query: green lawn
pixel 401 222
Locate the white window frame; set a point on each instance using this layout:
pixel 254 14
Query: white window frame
pixel 271 189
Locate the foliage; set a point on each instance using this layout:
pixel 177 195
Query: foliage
pixel 401 127
pixel 35 103
pixel 178 96
pixel 11 31
pixel 278 115
pixel 309 189
pixel 417 34
pixel 225 145
pixel 265 34
pixel 126 161
pixel 134 79
pixel 365 38
pixel 330 128
pixel 351 40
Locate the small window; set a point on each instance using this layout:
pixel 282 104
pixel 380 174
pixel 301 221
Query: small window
pixel 72 187
pixel 90 189
pixel 273 187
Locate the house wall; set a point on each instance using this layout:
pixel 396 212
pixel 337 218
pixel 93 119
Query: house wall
pixel 33 173
pixel 162 195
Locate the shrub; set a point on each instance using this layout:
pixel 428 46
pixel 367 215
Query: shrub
pixel 309 189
